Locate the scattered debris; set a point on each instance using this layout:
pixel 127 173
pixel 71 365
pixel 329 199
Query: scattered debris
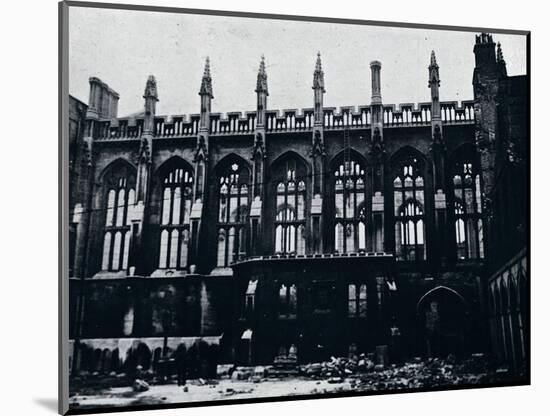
pixel 418 373
pixel 335 380
pixel 224 370
pixel 140 385
pixel 357 372
pixel 285 365
pixel 242 373
pixel 231 392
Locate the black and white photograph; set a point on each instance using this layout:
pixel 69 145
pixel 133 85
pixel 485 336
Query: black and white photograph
pixel 278 208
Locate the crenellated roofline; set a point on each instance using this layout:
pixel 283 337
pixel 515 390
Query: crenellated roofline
pixel 288 120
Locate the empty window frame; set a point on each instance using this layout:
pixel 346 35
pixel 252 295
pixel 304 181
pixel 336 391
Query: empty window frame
pixel 357 300
pixel 120 200
pixel 233 210
pixel 177 198
pixel 288 300
pixel 290 219
pixel 408 194
pixel 468 223
pixel 350 229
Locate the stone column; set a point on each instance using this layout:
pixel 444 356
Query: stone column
pixel 377 153
pixel 137 261
pixel 318 161
pixel 438 150
pixel 201 162
pixel 258 160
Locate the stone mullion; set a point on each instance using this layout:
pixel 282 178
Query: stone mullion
pixel 476 215
pixel 465 215
pixel 111 250
pixel 237 245
pixel 403 229
pixel 439 190
pixel 415 217
pixel 355 217
pixel 296 193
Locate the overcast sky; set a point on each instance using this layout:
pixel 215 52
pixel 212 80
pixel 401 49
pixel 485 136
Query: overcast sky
pixel 123 47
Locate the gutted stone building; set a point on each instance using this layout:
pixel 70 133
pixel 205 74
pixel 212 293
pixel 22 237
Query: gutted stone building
pixel 239 237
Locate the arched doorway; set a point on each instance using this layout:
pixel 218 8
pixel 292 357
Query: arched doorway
pixel 442 313
pixel 143 356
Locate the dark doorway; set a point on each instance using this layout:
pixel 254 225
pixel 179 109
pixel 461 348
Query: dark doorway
pixel 442 313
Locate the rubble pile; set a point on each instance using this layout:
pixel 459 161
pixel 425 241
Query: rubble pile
pixel 363 373
pixel 373 372
pixel 337 367
pixel 285 365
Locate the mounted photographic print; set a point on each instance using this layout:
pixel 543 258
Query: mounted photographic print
pixel 265 207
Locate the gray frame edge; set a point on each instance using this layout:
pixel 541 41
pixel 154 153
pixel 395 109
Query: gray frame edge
pixel 165 9
pixel 63 208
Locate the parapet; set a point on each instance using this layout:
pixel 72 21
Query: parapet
pixel 288 120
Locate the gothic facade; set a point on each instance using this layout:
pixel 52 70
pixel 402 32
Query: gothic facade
pixel 240 236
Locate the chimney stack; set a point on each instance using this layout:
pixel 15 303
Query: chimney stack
pixel 103 100
pixel 484 50
pixel 375 67
pixel 376 109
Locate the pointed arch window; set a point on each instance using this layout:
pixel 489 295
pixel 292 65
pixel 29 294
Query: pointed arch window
pixel 350 229
pixel 290 219
pixel 408 194
pixel 233 210
pixel 120 201
pixel 467 211
pixel 177 198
